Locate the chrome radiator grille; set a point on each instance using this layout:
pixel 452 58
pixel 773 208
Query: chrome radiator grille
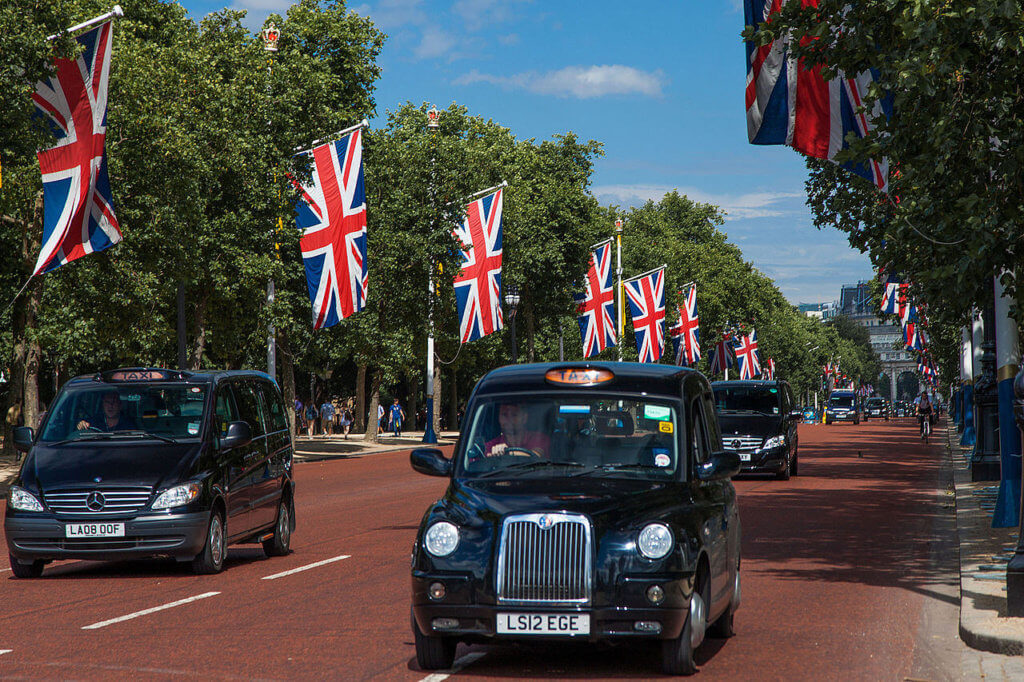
pixel 545 559
pixel 743 444
pixel 98 501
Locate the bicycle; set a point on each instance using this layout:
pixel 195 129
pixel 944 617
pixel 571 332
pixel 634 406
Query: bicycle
pixel 926 426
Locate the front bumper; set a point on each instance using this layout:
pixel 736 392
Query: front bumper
pixel 841 416
pixel 181 536
pixel 478 622
pixel 770 460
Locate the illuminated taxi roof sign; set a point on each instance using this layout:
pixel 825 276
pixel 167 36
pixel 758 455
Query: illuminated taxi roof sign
pixel 578 376
pixel 137 375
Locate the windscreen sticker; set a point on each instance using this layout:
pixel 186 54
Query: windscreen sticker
pixel 574 409
pixel 661 458
pixel 195 389
pixel 775 410
pixel 665 427
pixel 193 428
pixel 659 412
pixel 773 390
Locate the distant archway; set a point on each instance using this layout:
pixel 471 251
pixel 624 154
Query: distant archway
pixel 907 386
pixel 884 386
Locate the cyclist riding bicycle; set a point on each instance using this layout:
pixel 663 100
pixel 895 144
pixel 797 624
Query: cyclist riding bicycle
pixel 924 414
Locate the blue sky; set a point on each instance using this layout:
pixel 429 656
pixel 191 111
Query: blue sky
pixel 658 82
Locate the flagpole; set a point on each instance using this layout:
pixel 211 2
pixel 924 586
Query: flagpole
pixel 471 197
pixel 429 435
pixel 619 291
pixel 330 138
pixel 116 12
pixel 660 267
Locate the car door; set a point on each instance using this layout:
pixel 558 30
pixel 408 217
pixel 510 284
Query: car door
pixel 255 453
pixel 792 422
pixel 232 462
pixel 268 479
pixel 711 499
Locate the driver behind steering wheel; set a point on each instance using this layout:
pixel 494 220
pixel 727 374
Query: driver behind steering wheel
pixel 515 438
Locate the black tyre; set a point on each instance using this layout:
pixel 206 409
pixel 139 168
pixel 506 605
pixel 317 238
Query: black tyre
pixel 433 653
pixel 280 543
pixel 827 422
pixel 677 654
pixel 786 471
pixel 724 627
pixel 211 559
pixel 32 570
pixel 793 464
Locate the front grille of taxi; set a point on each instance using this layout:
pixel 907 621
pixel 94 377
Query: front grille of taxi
pixel 115 500
pixel 744 445
pixel 545 559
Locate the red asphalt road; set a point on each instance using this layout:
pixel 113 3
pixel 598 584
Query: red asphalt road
pixel 836 572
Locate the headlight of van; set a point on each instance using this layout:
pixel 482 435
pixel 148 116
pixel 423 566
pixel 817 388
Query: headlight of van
pixel 441 538
pixel 24 500
pixel 655 541
pixel 774 442
pixel 177 496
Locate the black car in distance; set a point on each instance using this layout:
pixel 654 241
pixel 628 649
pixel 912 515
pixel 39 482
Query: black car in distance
pixel 759 421
pixel 588 502
pixel 876 407
pixel 146 462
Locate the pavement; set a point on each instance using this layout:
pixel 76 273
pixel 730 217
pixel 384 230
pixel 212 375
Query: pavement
pixel 984 551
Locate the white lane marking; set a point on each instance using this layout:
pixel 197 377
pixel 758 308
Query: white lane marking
pixel 466 660
pixel 146 612
pixel 4 569
pixel 5 651
pixel 307 567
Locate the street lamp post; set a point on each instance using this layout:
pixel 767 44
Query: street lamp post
pixel 512 303
pixel 270 36
pixel 429 435
pixel 618 292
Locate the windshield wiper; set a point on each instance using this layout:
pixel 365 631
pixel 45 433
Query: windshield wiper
pixel 109 435
pixel 531 464
pixel 611 468
pixel 140 433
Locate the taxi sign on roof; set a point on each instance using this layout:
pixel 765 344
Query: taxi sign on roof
pixel 578 376
pixel 137 375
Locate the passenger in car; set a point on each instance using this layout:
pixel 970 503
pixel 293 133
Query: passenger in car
pixel 111 418
pixel 512 419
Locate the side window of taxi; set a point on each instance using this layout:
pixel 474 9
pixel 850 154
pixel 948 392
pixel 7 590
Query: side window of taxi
pixel 223 411
pixel 276 420
pixel 699 444
pixel 249 408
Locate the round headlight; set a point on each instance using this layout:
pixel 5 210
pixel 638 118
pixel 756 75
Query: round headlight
pixel 441 539
pixel 655 541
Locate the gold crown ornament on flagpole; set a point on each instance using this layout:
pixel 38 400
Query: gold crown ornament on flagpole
pixel 270 35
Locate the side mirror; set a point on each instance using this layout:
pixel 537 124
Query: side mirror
pixel 23 438
pixel 430 461
pixel 238 434
pixel 721 465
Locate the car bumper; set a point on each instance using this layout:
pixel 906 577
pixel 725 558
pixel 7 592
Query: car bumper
pixel 613 621
pixel 179 535
pixel 847 417
pixel 772 460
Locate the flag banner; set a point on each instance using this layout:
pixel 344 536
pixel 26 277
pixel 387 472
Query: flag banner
pixel 686 332
pixel 721 357
pixel 745 348
pixel 789 104
pixel 332 217
pixel 78 207
pixel 596 307
pixel 768 373
pixel 890 297
pixel 478 285
pixel 646 296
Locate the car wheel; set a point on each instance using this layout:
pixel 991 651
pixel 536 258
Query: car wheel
pixel 433 653
pixel 786 471
pixel 32 570
pixel 211 559
pixel 280 543
pixel 677 654
pixel 793 463
pixel 827 422
pixel 723 628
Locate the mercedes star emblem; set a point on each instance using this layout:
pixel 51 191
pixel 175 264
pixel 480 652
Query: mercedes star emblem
pixel 95 501
pixel 736 444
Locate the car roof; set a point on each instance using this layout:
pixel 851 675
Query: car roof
pixel 628 377
pixel 747 382
pixel 172 375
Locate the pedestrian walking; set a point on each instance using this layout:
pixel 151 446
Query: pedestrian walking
pixel 310 418
pixel 346 421
pixel 396 417
pixel 298 407
pixel 326 416
pixel 380 419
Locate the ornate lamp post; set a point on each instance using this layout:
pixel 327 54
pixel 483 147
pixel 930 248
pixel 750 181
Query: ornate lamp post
pixel 429 435
pixel 270 36
pixel 512 303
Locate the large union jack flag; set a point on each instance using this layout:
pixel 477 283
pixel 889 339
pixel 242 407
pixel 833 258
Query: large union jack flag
pixel 478 285
pixel 721 358
pixel 596 308
pixel 332 217
pixel 791 105
pixel 646 296
pixel 686 332
pixel 78 214
pixel 746 355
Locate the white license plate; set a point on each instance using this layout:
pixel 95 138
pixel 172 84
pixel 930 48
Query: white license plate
pixel 543 624
pixel 94 530
pixel 744 456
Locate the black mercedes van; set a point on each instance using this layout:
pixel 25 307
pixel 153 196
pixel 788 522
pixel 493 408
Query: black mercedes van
pixel 145 462
pixel 759 421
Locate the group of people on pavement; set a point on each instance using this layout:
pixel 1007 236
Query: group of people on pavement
pixel 333 416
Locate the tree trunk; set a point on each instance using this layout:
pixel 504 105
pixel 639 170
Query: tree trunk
pixel 195 360
pixel 287 379
pixel 453 402
pixel 437 401
pixel 370 433
pixel 360 414
pixel 414 390
pixel 530 329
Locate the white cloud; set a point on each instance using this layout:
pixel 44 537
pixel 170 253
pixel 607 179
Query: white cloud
pixel 736 206
pixel 435 43
pixel 582 82
pixel 477 14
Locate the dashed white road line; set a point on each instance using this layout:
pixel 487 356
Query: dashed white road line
pixel 146 612
pixel 4 569
pixel 307 567
pixel 5 651
pixel 461 663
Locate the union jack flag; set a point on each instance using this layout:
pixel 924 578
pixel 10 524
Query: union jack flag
pixel 478 285
pixel 332 217
pixel 746 355
pixel 890 297
pixel 686 332
pixel 768 373
pixel 647 305
pixel 721 356
pixel 791 105
pixel 596 308
pixel 78 215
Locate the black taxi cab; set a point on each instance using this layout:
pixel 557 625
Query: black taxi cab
pixel 589 502
pixel 147 462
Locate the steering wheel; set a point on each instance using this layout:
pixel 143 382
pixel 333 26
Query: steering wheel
pixel 519 451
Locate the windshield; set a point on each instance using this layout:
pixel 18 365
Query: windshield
pixel 747 399
pixel 876 402
pixel 841 401
pixel 571 436
pixel 137 410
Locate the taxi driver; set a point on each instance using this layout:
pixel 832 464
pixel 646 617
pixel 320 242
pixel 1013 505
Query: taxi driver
pixel 514 435
pixel 111 418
